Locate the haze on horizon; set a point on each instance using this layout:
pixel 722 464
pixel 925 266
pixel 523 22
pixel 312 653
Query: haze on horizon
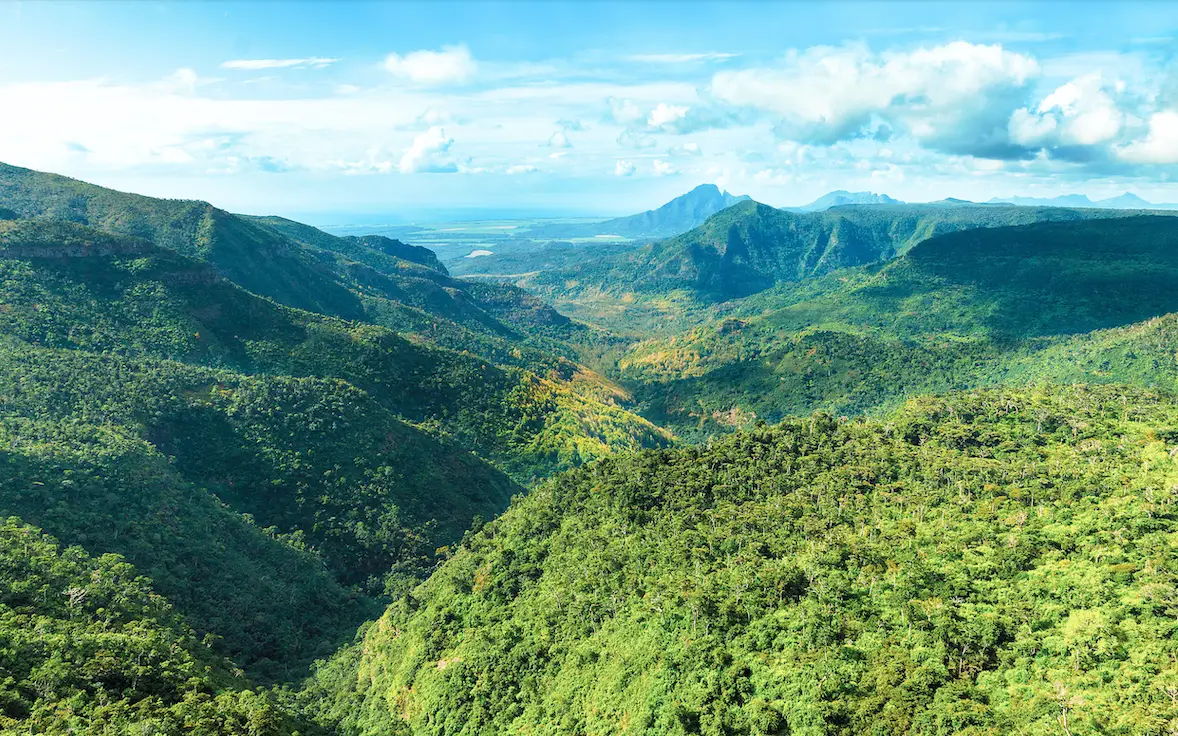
pixel 394 109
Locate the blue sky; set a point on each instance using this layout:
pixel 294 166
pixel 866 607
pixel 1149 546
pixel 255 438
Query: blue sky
pixel 333 111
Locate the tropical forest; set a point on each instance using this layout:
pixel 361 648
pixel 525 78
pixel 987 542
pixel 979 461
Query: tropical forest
pixel 427 388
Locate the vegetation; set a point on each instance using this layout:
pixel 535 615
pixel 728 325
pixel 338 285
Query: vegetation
pixel 984 307
pixel 88 648
pixel 72 287
pixel 369 278
pixel 986 563
pixel 750 247
pixel 286 431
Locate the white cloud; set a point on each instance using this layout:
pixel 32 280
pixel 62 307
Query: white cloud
pixel 1081 112
pixel 559 140
pixel 1160 145
pixel 313 62
pixel 427 154
pixel 521 169
pixel 450 65
pixel 666 115
pixel 375 161
pixel 945 96
pixel 681 58
pixel 1030 129
pixel 127 129
pixel 182 81
pixel 1089 114
pixel 664 168
pixel 631 139
pixel 687 149
pixel 624 168
pixel 624 111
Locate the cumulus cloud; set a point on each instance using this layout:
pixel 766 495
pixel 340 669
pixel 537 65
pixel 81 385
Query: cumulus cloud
pixel 624 168
pixel 664 115
pixel 957 97
pixel 1160 145
pixel 521 169
pixel 450 65
pixel 312 62
pixel 427 155
pixel 663 168
pixel 624 111
pixel 1079 113
pixel 559 140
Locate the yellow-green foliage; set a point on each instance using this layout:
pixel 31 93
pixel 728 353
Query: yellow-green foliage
pixel 985 563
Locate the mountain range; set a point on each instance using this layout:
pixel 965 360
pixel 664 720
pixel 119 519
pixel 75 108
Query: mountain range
pixel 261 480
pixel 1126 201
pixel 751 247
pixel 842 197
pixel 679 215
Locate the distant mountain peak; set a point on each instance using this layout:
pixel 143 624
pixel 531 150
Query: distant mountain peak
pixel 841 197
pixel 1126 201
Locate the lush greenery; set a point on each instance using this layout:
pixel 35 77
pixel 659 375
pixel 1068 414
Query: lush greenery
pixel 986 563
pixel 68 286
pixel 983 307
pixel 286 431
pixel 750 247
pixel 371 278
pixel 86 647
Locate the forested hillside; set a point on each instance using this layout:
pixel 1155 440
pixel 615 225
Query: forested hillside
pixel 985 563
pixel 277 472
pixel 370 279
pixel 253 437
pixel 90 648
pixel 750 247
pixel 68 286
pixel 1069 302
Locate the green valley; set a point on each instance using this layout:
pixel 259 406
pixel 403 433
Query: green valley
pixel 352 494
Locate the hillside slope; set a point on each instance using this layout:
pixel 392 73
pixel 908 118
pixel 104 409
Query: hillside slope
pixel 677 216
pixel 950 570
pixel 751 247
pixel 370 279
pixel 68 286
pixel 968 309
pixel 89 647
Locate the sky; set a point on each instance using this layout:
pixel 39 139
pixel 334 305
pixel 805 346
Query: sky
pixel 337 112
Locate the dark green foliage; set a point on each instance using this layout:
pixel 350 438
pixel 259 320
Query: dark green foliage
pixel 371 278
pixel 86 647
pixel 67 286
pixel 263 599
pixel 254 257
pixel 983 307
pixel 314 456
pixel 987 563
pixel 750 247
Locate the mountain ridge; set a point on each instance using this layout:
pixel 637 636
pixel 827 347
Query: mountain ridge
pixel 841 197
pixel 1126 201
pixel 676 216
